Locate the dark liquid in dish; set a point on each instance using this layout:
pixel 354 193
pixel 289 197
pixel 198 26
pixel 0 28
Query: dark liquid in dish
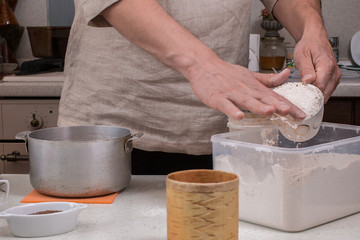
pixel 45 212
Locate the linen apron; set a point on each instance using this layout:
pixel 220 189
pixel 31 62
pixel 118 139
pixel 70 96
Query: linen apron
pixel 110 81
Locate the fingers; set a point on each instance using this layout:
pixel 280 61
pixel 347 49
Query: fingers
pixel 317 65
pixel 282 105
pixel 260 108
pixel 307 72
pixel 331 87
pixel 249 100
pixel 267 102
pixel 274 79
pixel 327 82
pixel 256 105
pixel 305 63
pixel 231 88
pixel 226 106
pixel 327 78
pixel 285 107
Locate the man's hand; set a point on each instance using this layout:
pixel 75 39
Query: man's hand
pixel 229 88
pixel 313 54
pixel 317 65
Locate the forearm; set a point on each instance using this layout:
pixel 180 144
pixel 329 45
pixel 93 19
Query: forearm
pixel 147 25
pixel 300 17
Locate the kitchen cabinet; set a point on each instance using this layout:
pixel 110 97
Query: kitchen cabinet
pixel 344 110
pixel 357 111
pixel 17 115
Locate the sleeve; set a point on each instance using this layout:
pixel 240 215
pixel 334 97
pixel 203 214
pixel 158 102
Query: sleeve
pixel 92 10
pixel 269 4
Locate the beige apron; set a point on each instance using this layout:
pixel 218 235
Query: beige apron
pixel 110 81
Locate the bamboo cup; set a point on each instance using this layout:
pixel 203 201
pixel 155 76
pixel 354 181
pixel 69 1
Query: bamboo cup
pixel 202 204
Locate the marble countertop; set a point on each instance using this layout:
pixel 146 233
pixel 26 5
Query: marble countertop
pixel 50 85
pixel 139 212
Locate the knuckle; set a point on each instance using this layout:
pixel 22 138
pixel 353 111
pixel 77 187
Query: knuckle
pixel 214 99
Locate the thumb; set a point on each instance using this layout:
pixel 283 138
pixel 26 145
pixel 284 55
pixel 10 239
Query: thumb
pixel 307 72
pixel 274 79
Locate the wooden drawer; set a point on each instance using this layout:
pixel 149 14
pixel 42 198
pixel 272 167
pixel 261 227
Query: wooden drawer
pixel 357 111
pixel 339 110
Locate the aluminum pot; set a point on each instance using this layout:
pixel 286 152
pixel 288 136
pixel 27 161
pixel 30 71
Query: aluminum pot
pixel 79 161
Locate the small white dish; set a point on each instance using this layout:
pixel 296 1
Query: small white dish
pixel 355 48
pixel 23 223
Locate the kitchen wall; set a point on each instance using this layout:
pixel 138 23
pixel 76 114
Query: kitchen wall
pixel 341 20
pixel 41 13
pixel 30 13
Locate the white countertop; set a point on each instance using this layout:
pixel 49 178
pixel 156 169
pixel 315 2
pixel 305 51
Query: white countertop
pixel 139 213
pixel 38 85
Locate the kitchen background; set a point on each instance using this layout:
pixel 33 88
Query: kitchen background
pixel 29 105
pixel 341 20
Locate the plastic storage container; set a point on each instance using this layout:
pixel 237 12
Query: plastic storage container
pixel 293 186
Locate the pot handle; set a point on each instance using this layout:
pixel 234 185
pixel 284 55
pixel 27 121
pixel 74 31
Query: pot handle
pixel 23 136
pixel 128 143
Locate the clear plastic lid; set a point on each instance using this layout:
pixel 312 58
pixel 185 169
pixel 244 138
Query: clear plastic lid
pixel 250 120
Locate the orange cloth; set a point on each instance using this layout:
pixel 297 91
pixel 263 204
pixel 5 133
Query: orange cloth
pixel 36 197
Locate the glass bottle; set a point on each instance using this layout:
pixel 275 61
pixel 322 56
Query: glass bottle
pixel 272 53
pixel 10 31
pixel 12 4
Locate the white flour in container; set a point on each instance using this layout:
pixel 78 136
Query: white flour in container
pixel 307 97
pixel 310 100
pixel 295 194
